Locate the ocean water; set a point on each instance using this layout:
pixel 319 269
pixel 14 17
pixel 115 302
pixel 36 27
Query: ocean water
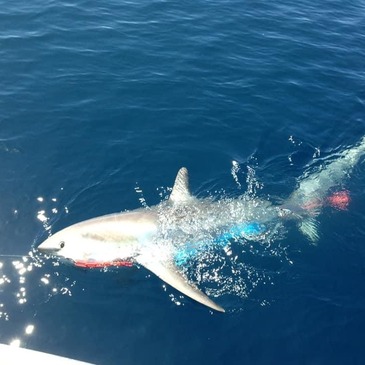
pixel 102 102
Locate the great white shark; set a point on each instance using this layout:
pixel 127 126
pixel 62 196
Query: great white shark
pixel 163 237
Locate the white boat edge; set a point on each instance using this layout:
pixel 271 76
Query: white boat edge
pixel 13 355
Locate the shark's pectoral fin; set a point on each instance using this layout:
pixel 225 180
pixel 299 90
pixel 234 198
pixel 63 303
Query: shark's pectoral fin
pixel 169 273
pixel 309 227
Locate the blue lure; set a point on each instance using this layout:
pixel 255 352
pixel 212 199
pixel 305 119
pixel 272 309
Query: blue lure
pixel 245 230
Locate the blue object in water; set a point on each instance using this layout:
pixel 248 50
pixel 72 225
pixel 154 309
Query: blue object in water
pixel 246 230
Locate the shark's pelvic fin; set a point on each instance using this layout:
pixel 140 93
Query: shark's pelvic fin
pixel 309 227
pixel 180 191
pixel 168 272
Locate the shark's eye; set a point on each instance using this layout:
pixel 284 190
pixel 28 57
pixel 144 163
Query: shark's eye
pixel 62 244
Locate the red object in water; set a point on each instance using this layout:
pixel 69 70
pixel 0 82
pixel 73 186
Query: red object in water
pixel 313 204
pixel 95 264
pixel 339 200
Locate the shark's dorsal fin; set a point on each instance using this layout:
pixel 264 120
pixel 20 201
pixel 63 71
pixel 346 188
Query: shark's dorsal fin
pixel 180 191
pixel 166 270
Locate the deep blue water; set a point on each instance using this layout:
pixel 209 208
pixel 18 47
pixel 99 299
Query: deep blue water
pixel 102 100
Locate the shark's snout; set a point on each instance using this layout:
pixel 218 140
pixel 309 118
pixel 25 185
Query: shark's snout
pixel 48 250
pixel 51 246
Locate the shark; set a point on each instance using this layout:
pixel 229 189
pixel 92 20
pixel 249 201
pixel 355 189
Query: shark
pixel 164 237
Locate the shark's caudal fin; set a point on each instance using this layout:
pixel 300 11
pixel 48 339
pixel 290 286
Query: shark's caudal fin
pixel 181 192
pixel 168 272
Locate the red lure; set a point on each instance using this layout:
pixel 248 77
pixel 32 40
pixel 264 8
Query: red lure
pixel 339 200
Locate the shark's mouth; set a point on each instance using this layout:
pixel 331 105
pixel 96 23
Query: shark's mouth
pixel 91 264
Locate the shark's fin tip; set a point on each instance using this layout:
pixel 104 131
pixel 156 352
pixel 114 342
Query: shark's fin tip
pixel 169 273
